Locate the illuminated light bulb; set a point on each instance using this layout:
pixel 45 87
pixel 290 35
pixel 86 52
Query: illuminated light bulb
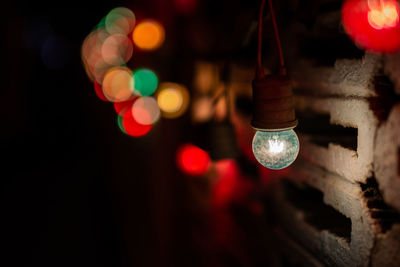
pixel 384 16
pixel 391 13
pixel 376 19
pixel 148 35
pixel 276 150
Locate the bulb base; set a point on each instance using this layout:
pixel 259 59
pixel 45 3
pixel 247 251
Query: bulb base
pixel 273 104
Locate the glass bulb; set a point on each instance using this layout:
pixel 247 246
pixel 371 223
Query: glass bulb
pixel 276 150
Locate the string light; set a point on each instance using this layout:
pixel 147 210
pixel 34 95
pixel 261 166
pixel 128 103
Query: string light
pixel 275 144
pixel 105 53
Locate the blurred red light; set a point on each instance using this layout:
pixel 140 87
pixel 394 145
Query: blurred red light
pixel 373 25
pixel 122 107
pixel 98 88
pixel 192 160
pixel 132 127
pixel 226 187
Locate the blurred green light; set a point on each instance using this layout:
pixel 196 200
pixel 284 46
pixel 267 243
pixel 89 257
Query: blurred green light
pixel 101 24
pixel 146 81
pixel 121 127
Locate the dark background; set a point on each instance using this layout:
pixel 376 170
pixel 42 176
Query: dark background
pixel 75 191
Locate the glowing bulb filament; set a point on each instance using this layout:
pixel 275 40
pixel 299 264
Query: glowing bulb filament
pixel 276 146
pixel 384 15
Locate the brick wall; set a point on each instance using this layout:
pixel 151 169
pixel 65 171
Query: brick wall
pixel 339 204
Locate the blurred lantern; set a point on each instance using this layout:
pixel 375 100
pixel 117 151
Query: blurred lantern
pixel 173 99
pixel 192 160
pixel 373 24
pixel 148 35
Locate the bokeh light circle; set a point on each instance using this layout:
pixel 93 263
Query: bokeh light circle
pixel 118 84
pixel 173 99
pixel 146 82
pixel 124 106
pixel 148 35
pixel 145 110
pixel 91 55
pixel 373 25
pixel 170 100
pixel 202 109
pixel 193 160
pixel 117 49
pixel 120 20
pixel 132 127
pixel 99 91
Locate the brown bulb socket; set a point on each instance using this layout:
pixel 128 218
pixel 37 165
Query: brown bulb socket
pixel 273 104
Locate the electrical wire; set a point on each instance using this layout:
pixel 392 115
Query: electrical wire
pixel 260 71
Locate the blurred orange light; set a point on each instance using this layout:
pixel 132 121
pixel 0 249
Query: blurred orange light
pixel 173 99
pixel 202 109
pixel 383 15
pixel 148 35
pixel 118 84
pixel 170 100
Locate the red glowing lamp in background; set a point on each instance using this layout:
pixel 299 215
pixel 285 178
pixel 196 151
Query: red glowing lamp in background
pixel 193 160
pixel 373 24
